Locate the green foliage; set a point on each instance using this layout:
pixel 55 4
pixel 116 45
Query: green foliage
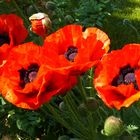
pixel 92 12
pixel 120 33
pixel 26 124
pixel 86 13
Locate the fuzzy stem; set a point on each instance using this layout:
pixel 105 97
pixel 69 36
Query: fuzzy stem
pixel 57 116
pixel 80 85
pixel 91 83
pixel 74 115
pixel 91 126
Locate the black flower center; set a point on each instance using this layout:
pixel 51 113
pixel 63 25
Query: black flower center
pixel 126 76
pixel 4 39
pixel 28 75
pixel 71 53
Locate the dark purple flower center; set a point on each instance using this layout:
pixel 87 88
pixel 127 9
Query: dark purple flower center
pixel 28 75
pixel 126 76
pixel 71 53
pixel 4 39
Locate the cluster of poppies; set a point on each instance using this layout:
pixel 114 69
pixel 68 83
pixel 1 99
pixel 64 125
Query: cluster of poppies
pixel 31 75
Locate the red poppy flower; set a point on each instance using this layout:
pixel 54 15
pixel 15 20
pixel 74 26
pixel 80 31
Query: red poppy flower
pixel 12 30
pixel 4 51
pixel 117 77
pixel 40 24
pixel 26 80
pixel 77 50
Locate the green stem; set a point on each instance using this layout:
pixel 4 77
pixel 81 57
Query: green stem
pixel 80 85
pixel 136 113
pixel 27 23
pixel 112 138
pixel 128 23
pixel 91 82
pixel 92 128
pixel 57 116
pixel 72 107
pixel 122 112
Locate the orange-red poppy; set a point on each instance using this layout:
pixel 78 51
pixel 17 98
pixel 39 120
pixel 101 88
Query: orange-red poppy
pixel 12 30
pixel 26 80
pixel 40 24
pixel 4 51
pixel 76 49
pixel 117 77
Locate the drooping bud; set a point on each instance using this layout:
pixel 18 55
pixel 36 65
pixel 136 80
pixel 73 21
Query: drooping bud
pixel 69 19
pixel 64 137
pixel 40 23
pixel 62 106
pixel 50 5
pixel 113 126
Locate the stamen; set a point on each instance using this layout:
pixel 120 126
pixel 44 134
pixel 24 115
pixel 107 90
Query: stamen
pixel 71 53
pixel 29 75
pixel 32 76
pixel 129 78
pixel 126 76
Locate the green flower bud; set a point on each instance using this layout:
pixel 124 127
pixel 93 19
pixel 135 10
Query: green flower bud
pixel 113 126
pixel 92 104
pixel 50 5
pixel 69 19
pixel 64 137
pixel 82 110
pixel 62 106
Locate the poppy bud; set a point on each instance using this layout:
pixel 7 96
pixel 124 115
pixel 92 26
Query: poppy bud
pixel 64 137
pixel 92 104
pixel 41 23
pixel 82 110
pixel 113 126
pixel 62 106
pixel 69 19
pixel 50 5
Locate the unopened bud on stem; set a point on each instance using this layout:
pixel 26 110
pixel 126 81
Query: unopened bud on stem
pixel 113 126
pixel 41 23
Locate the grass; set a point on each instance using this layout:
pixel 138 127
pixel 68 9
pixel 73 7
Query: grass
pixel 123 26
